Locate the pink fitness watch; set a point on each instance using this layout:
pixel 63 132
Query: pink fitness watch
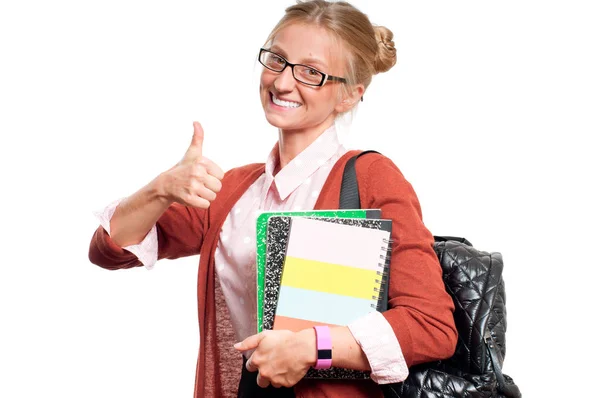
pixel 323 347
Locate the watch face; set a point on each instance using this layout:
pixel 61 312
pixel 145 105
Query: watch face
pixel 323 354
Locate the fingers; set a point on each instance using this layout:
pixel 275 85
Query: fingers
pixel 196 201
pixel 195 192
pixel 195 180
pixel 250 366
pixel 212 183
pixel 194 151
pixel 205 193
pixel 197 139
pixel 251 342
pixel 201 188
pixel 262 381
pixel 212 168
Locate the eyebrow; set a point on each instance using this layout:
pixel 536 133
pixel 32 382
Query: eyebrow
pixel 279 50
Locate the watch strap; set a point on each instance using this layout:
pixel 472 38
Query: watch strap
pixel 324 346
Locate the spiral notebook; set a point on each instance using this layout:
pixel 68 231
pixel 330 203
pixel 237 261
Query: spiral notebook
pixel 277 235
pixel 333 273
pixel 261 242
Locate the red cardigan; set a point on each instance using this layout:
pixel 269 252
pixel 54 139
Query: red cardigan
pixel 420 309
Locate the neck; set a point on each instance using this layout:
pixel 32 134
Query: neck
pixel 293 142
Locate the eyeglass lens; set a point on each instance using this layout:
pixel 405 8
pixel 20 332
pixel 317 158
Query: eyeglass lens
pixel 303 73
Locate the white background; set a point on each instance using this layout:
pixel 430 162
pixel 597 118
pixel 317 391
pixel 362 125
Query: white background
pixel 491 113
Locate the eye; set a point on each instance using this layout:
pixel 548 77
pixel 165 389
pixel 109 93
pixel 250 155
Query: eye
pixel 276 59
pixel 311 72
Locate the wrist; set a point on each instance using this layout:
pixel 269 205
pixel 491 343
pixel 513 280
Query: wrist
pixel 158 191
pixel 308 341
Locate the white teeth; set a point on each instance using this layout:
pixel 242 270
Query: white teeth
pixel 285 104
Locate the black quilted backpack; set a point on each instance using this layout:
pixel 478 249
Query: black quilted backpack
pixel 473 278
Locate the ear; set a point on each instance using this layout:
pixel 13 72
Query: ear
pixel 349 101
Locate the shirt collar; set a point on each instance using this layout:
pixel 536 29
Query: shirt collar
pixel 304 164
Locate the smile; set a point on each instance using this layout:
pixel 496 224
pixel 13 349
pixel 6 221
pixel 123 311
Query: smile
pixel 284 104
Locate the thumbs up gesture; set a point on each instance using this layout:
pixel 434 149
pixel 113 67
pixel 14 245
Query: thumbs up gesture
pixel 195 180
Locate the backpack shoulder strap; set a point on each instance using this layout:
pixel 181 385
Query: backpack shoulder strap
pixel 349 197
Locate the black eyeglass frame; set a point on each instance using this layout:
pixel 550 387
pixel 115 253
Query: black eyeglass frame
pixel 324 76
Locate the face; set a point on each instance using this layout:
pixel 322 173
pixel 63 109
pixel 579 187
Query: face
pixel 304 108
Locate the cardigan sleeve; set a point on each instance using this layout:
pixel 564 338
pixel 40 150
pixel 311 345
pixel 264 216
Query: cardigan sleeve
pixel 146 251
pixel 178 232
pixel 420 310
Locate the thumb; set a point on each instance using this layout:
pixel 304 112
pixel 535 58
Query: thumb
pixel 195 149
pixel 250 343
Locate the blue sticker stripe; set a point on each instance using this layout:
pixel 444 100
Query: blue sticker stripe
pixel 321 307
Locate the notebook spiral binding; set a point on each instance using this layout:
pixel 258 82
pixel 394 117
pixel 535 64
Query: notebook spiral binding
pixel 383 273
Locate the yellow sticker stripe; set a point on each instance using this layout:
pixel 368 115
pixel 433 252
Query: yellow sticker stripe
pixel 329 278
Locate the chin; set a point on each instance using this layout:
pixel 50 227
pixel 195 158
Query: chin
pixel 277 121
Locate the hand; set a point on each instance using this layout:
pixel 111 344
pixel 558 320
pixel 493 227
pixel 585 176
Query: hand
pixel 195 180
pixel 282 358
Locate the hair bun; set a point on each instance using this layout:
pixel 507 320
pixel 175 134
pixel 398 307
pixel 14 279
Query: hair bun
pixel 386 50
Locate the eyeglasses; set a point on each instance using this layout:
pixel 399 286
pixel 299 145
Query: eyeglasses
pixel 303 73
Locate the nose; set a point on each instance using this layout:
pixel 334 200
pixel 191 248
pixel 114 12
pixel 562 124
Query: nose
pixel 285 82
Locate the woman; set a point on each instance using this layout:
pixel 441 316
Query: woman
pixel 318 61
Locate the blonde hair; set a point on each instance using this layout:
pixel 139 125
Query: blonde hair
pixel 370 49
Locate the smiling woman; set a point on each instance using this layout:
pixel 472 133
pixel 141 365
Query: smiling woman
pixel 318 61
pixel 309 108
